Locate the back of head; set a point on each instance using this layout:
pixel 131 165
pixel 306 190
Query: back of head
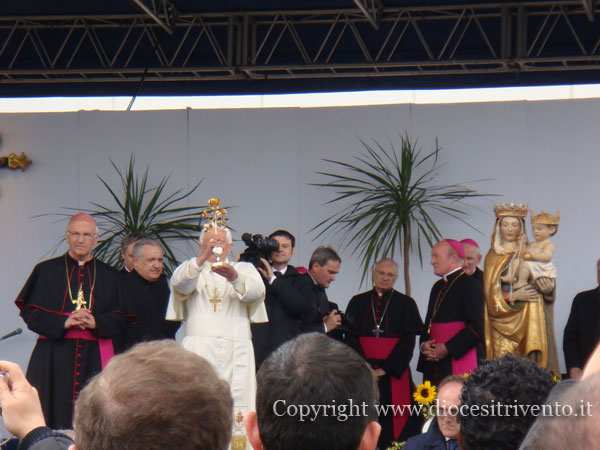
pixel 571 419
pixel 156 395
pixel 315 393
pixel 130 239
pixel 496 402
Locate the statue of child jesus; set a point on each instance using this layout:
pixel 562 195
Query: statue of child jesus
pixel 537 258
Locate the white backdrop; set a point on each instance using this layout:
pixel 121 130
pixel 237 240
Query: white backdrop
pixel 262 161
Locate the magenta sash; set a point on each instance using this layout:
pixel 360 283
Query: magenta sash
pixel 443 332
pixel 105 346
pixel 380 348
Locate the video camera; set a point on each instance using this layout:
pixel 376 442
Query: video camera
pixel 258 247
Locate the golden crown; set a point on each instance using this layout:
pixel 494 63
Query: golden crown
pixel 511 210
pixel 214 215
pixel 545 218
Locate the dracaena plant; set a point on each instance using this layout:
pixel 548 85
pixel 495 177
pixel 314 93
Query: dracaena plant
pixel 137 207
pixel 387 200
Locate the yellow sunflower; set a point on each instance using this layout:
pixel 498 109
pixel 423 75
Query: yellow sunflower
pixel 425 394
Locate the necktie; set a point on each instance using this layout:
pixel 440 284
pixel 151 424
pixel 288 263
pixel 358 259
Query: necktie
pixel 277 274
pixel 452 444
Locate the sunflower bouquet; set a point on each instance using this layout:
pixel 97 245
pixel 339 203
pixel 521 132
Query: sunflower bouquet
pixel 425 396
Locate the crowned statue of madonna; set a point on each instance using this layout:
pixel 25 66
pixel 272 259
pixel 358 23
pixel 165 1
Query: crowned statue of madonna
pixel 520 287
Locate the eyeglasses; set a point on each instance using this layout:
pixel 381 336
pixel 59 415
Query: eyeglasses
pixel 82 235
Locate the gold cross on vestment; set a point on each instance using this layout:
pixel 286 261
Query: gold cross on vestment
pixel 80 301
pixel 214 300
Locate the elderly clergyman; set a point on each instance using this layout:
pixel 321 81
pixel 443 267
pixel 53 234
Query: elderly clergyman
pixel 383 324
pixel 452 342
pixel 148 293
pixel 217 299
pixel 75 304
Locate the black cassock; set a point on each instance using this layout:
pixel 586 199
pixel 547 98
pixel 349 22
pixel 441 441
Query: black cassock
pixel 61 365
pixel 148 300
pixel 399 324
pixel 457 299
pixel 478 275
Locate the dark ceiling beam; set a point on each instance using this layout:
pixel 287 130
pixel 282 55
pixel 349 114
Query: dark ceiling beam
pixel 470 39
pixel 371 12
pixel 154 10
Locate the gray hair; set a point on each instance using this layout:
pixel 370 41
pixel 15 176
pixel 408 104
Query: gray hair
pixel 139 246
pixel 386 260
pixel 130 239
pixel 578 428
pixel 322 255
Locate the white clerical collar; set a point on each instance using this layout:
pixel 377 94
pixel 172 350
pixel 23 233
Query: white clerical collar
pixel 445 277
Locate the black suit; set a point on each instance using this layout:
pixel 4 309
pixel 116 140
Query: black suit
pixel 582 331
pixel 316 301
pixel 286 310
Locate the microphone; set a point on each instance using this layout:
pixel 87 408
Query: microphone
pixel 11 334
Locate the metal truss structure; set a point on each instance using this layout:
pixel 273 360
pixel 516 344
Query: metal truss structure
pixel 161 44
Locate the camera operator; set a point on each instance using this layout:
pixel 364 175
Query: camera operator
pixel 286 308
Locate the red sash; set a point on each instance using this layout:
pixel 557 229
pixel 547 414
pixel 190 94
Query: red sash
pixel 105 346
pixel 443 332
pixel 380 348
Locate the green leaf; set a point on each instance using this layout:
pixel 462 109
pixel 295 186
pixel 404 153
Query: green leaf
pixel 390 190
pixel 139 208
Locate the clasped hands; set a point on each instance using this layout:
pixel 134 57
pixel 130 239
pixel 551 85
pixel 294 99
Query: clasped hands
pixel 434 351
pixel 82 319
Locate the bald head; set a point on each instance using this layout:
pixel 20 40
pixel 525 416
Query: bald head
pixel 82 236
pixel 444 258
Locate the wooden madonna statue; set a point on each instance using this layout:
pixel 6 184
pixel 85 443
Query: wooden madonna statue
pixel 520 287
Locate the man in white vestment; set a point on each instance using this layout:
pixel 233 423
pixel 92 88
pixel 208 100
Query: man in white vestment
pixel 218 300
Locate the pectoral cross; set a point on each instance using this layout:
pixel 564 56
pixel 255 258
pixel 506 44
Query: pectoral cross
pixel 80 301
pixel 377 331
pixel 214 300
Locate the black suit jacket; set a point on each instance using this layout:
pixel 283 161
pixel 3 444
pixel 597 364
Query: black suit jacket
pixel 582 331
pixel 317 304
pixel 286 309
